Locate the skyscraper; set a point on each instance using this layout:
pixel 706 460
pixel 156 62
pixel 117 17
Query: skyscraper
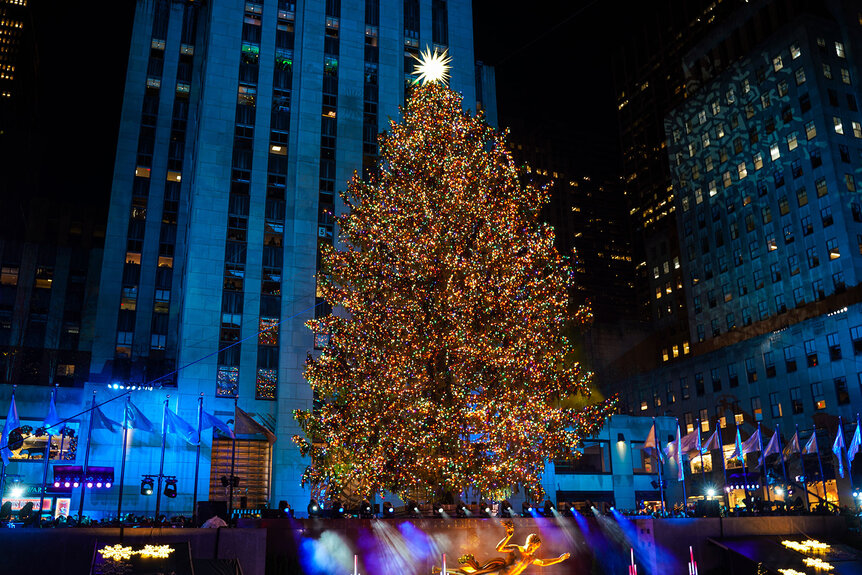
pixel 764 155
pixel 241 120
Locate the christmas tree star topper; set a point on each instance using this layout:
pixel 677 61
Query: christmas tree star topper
pixel 432 68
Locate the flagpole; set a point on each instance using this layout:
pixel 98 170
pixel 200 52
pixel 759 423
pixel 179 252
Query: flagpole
pixel 700 453
pixel 681 463
pixel 783 465
pixel 45 469
pixel 162 462
pixel 724 471
pixel 232 465
pixel 820 464
pixel 841 449
pixel 850 461
pixel 2 459
pixel 86 460
pixel 661 486
pixel 764 475
pixel 804 476
pixel 197 461
pixel 658 457
pixel 123 460
pixel 744 477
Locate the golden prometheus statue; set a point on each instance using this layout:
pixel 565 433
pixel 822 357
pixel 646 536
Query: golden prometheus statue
pixel 518 557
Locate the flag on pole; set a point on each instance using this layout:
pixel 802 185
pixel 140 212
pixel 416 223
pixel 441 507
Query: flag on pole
pixel 244 424
pixel 680 475
pixel 752 444
pixel 738 453
pixel 208 420
pixel 714 442
pixel 175 424
pixel 12 423
pixel 811 446
pixel 773 447
pixel 52 419
pixel 792 445
pixel 838 448
pixel 691 441
pixel 135 419
pixel 699 445
pixel 651 443
pixel 100 420
pixel 855 443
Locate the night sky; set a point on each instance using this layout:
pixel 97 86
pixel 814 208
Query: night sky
pixel 553 67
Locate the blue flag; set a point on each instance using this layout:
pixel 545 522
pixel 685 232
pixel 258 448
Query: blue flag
pixel 12 423
pixel 175 424
pixel 855 443
pixel 100 420
pixel 135 419
pixel 208 420
pixel 52 420
pixel 838 448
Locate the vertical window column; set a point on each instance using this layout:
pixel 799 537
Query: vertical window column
pixel 236 243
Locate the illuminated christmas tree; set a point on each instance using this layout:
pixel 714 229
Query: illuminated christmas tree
pixel 447 365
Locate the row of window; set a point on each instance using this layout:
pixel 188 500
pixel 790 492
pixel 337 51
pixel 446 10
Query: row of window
pixel 778 63
pixel 810 352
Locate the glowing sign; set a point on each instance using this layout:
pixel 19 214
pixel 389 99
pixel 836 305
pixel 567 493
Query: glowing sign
pixel 818 564
pixel 807 546
pixel 116 552
pixel 119 553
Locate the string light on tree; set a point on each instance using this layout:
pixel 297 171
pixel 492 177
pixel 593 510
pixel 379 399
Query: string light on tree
pixel 449 364
pixel 433 67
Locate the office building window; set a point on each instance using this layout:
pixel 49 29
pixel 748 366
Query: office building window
pixel 684 389
pixel 796 405
pixel 750 370
pixel 810 352
pixel 756 409
pixel 817 396
pixel 775 404
pixel 842 394
pixel 789 359
pixel 732 377
pixel 769 363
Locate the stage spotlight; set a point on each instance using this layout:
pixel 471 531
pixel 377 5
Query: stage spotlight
pixel 67 484
pixel 440 509
pixel 16 492
pixel 170 487
pixel 526 509
pixel 313 508
pixel 549 509
pixel 147 486
pixel 336 510
pixel 366 511
pixel 463 510
pixel 75 483
pixel 388 509
pixel 89 485
pixel 107 485
pixel 710 492
pixel 56 484
pixel 506 509
pixel 412 508
pixel 487 509
pixel 779 491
